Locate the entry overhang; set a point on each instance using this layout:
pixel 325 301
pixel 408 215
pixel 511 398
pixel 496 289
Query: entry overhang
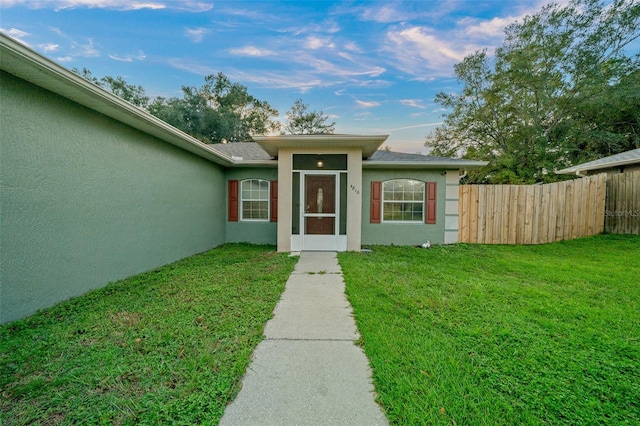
pixel 368 144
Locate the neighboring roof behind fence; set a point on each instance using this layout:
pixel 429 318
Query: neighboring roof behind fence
pixel 622 159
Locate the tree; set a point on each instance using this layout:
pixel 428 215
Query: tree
pixel 219 111
pixel 118 86
pixel 301 121
pixel 560 90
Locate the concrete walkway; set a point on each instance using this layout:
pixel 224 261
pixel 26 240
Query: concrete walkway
pixel 308 371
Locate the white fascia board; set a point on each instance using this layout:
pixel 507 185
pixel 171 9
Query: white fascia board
pixel 368 143
pixel 579 169
pixel 256 163
pixel 449 165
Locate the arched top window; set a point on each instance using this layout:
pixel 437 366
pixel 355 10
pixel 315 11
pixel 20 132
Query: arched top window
pixel 403 200
pixel 254 199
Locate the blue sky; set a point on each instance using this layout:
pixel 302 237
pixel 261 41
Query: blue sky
pixel 373 67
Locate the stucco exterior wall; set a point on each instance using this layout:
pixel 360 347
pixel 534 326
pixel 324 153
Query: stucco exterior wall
pixel 255 232
pixel 403 233
pixel 86 200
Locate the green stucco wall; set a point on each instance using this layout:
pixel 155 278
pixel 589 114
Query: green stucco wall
pixel 402 233
pixel 251 231
pixel 86 200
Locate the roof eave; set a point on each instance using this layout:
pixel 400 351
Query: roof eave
pixel 255 163
pixel 578 169
pixel 24 63
pixel 449 165
pixel 368 143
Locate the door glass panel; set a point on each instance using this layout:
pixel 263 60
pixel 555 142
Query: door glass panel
pixel 320 161
pixel 320 194
pixel 320 199
pixel 295 204
pixel 343 204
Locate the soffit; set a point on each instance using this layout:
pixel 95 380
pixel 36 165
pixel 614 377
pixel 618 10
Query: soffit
pixel 368 144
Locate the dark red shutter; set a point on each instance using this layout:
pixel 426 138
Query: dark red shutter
pixel 376 202
pixel 430 217
pixel 273 200
pixel 233 201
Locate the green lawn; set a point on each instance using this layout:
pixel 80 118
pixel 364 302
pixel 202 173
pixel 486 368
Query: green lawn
pixel 165 347
pixel 502 335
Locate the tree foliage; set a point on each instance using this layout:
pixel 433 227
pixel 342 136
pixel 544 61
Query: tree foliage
pixel 218 111
pixel 135 95
pixel 560 90
pixel 301 121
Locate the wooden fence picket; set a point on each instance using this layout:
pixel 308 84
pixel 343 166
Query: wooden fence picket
pixel 538 214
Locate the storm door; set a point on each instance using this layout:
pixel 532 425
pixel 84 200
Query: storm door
pixel 319 215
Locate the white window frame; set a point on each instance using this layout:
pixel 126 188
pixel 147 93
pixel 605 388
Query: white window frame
pixel 386 201
pixel 258 199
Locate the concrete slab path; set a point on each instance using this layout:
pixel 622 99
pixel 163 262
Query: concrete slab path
pixel 308 371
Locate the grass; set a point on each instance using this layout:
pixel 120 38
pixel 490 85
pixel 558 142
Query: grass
pixel 502 335
pixel 164 347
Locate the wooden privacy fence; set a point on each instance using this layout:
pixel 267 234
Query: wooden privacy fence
pixel 622 213
pixel 531 214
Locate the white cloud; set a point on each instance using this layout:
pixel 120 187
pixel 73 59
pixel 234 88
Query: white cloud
pixel 196 35
pixel 330 28
pixel 414 103
pixel 483 29
pixel 251 51
pixel 49 47
pixel 87 50
pixel 191 66
pixel 65 58
pixel 15 33
pixel 315 43
pixel 122 5
pixel 301 81
pixel 426 53
pixel 325 66
pixel 58 32
pixel 365 104
pixel 352 47
pixel 140 56
pixel 416 126
pixel 383 14
pixel 346 56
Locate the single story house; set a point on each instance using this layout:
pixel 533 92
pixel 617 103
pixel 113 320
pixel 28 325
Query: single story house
pixel 93 189
pixel 628 161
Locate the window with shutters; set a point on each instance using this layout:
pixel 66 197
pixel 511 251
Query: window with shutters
pixel 403 200
pixel 254 199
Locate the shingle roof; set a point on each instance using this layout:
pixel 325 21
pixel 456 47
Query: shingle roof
pixel 248 151
pixel 623 158
pixel 401 156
